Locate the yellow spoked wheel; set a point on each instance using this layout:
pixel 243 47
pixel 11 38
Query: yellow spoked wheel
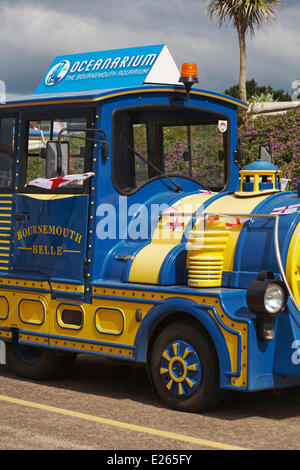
pixel 180 368
pixel 184 368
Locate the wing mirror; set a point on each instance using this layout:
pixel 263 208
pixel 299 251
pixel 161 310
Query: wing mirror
pixel 57 158
pixel 265 151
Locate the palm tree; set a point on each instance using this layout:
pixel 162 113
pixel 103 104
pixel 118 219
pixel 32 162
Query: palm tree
pixel 246 15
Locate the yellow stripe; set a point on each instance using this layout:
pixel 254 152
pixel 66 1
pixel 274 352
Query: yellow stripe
pixel 293 264
pixel 31 137
pixel 163 241
pixel 50 196
pixel 122 425
pixel 122 93
pixel 69 287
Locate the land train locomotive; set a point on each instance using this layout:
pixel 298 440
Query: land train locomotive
pixel 132 229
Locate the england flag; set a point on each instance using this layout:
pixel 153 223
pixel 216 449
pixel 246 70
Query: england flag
pixel 58 181
pixel 286 209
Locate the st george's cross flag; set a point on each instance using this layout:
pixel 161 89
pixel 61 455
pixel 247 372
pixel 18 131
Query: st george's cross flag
pixel 286 209
pixel 58 181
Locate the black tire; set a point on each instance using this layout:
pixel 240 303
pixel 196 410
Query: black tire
pixel 37 363
pixel 184 369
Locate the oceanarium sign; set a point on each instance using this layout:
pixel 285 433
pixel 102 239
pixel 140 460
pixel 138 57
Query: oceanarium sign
pixel 117 68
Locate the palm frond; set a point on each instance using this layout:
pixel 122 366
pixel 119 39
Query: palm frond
pixel 244 14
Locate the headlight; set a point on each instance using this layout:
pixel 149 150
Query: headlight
pixel 274 298
pixel 266 294
pixel 266 297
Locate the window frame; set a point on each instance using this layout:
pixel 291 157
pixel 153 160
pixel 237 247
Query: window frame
pixel 51 116
pixel 171 107
pixel 15 116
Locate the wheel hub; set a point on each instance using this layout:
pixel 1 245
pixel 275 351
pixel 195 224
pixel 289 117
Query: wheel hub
pixel 180 368
pixel 177 369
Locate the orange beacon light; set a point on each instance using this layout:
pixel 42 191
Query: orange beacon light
pixel 189 71
pixel 188 76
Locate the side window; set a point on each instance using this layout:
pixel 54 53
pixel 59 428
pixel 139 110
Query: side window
pixel 39 132
pixel 7 150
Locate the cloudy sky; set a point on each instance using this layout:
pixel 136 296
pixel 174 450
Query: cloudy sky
pixel 34 32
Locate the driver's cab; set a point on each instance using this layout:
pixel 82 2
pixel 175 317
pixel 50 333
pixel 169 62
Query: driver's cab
pixel 164 147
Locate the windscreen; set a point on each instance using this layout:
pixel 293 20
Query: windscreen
pixel 190 143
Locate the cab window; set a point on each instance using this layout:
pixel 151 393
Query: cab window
pixel 190 143
pixel 40 163
pixel 7 150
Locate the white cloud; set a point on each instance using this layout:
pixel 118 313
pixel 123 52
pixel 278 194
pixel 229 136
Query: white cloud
pixel 273 57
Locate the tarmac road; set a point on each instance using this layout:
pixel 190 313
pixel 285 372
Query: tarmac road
pixel 103 405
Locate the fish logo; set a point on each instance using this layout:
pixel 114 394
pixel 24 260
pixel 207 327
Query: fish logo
pixel 57 73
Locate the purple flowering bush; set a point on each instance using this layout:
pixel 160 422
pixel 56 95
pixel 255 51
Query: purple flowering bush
pixel 206 142
pixel 283 131
pixel 206 166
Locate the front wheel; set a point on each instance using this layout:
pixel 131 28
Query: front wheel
pixel 184 369
pixel 37 363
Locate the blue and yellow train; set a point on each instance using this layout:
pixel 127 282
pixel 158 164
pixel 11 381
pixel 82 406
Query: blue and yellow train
pixel 131 229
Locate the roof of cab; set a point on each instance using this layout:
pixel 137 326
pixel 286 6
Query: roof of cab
pixel 100 95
